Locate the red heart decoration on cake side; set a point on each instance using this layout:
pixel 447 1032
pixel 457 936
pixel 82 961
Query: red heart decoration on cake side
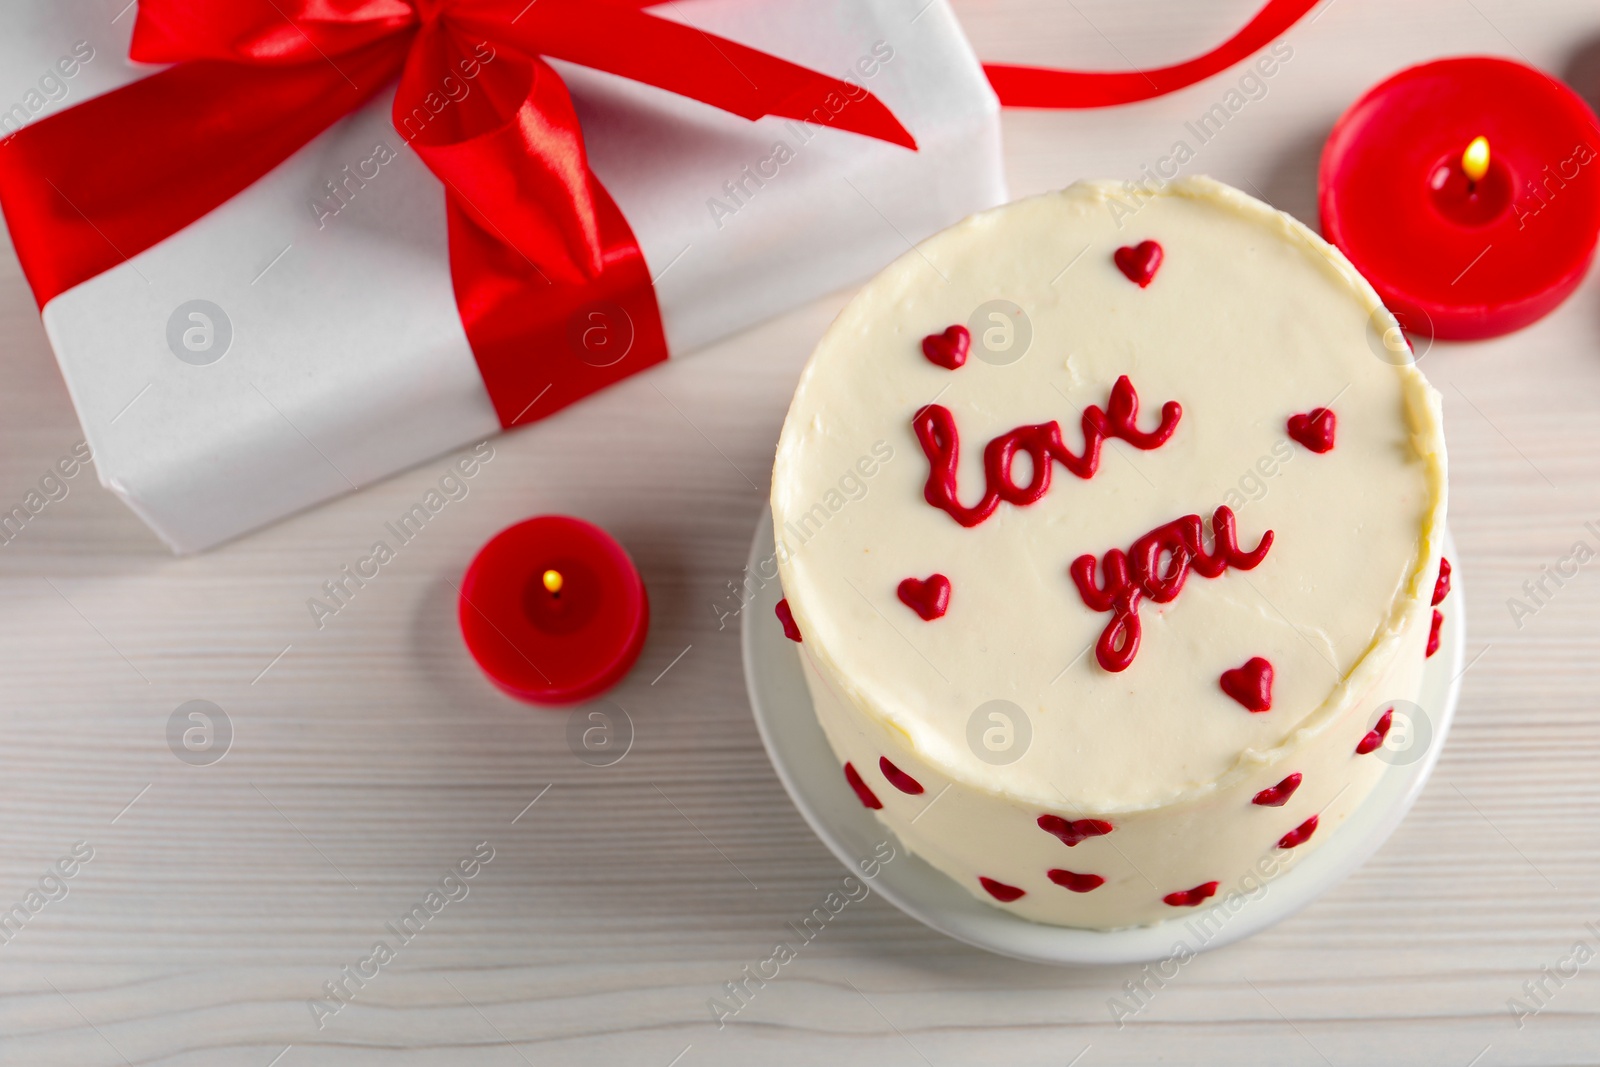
pixel 1299 835
pixel 948 349
pixel 1314 429
pixel 1433 634
pixel 785 616
pixel 1250 685
pixel 864 792
pixel 1190 897
pixel 1078 883
pixel 898 778
pixel 1139 262
pixel 1070 831
pixel 1277 796
pixel 928 597
pixel 1441 586
pixel 1374 737
pixel 1005 894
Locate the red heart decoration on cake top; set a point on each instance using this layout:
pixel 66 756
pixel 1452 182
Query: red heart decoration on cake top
pixel 1277 796
pixel 898 778
pixel 1375 736
pixel 928 597
pixel 1078 883
pixel 1071 832
pixel 1250 685
pixel 1314 429
pixel 863 792
pixel 1139 262
pixel 948 349
pixel 785 616
pixel 1005 894
pixel 1441 588
pixel 1299 835
pixel 1433 634
pixel 1190 897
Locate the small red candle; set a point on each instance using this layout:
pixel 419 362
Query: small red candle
pixel 1470 243
pixel 553 610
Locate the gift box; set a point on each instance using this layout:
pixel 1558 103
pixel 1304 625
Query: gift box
pixel 355 309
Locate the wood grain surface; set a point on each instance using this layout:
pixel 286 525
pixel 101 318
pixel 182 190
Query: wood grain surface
pixel 369 757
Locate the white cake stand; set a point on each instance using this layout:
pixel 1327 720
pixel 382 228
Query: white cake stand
pixel 809 771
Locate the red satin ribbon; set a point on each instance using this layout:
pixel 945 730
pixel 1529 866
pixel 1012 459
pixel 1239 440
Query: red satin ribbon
pixel 540 255
pixel 534 238
pixel 1064 89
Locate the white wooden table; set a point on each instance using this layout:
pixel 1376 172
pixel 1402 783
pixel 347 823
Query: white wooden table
pixel 369 757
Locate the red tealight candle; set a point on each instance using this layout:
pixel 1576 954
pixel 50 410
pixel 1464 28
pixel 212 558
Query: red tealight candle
pixel 1467 191
pixel 553 610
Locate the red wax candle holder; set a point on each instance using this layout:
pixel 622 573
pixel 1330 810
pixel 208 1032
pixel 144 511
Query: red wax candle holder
pixel 1465 258
pixel 553 610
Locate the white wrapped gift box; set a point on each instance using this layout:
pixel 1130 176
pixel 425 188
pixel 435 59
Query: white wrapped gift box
pixel 276 354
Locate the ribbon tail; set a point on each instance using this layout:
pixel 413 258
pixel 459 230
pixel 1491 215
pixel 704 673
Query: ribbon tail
pixel 86 189
pixel 510 152
pixel 269 32
pixel 541 346
pixel 1041 87
pixel 690 62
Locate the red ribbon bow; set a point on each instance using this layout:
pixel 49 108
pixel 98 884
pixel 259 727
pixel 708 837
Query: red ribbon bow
pixel 534 237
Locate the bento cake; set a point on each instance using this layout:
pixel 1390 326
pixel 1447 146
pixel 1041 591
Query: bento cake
pixel 1150 548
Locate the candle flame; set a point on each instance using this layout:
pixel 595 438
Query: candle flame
pixel 1475 160
pixel 553 581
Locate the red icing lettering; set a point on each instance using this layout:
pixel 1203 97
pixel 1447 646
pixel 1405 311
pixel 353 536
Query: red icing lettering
pixel 1250 685
pixel 936 431
pixel 863 793
pixel 928 597
pixel 1005 894
pixel 898 778
pixel 785 616
pixel 1277 796
pixel 1073 831
pixel 1314 429
pixel 1139 262
pixel 1190 897
pixel 1156 567
pixel 1433 633
pixel 1441 588
pixel 1299 835
pixel 1375 736
pixel 1078 883
pixel 948 349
